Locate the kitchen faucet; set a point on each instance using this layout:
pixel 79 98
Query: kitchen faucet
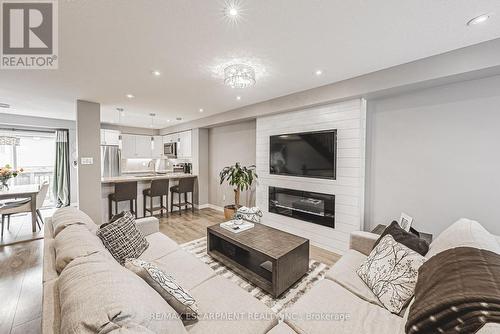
pixel 153 162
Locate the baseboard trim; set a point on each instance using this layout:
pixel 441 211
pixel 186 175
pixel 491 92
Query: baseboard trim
pixel 215 207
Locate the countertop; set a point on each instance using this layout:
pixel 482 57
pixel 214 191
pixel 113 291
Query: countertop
pixel 144 177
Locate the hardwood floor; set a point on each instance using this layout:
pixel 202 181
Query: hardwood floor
pixel 21 269
pixel 21 287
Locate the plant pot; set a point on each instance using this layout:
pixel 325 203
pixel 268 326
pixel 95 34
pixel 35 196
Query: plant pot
pixel 230 211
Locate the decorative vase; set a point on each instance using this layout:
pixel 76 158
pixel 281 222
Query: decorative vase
pixel 230 211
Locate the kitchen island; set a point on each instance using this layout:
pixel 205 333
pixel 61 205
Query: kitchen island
pixel 143 182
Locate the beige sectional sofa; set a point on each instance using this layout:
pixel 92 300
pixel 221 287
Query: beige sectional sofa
pixel 343 297
pixel 93 281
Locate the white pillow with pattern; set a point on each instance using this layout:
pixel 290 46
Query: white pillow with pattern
pixel 391 272
pixel 180 300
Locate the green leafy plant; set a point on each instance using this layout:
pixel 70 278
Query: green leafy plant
pixel 240 177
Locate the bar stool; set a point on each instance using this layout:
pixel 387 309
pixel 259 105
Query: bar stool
pixel 124 191
pixel 159 188
pixel 185 186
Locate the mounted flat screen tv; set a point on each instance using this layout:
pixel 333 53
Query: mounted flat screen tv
pixel 310 154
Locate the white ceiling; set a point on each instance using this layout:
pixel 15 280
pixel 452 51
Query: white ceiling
pixel 108 48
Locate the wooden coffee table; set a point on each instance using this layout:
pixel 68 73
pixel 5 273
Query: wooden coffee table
pixel 271 259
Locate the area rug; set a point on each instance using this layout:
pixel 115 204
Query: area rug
pixel 316 273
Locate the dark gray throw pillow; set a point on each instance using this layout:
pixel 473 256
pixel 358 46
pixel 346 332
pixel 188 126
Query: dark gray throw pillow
pixel 408 239
pixel 122 238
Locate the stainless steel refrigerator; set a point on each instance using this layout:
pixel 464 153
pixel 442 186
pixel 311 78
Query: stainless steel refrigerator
pixel 110 161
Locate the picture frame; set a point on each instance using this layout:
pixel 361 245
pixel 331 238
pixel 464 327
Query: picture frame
pixel 405 221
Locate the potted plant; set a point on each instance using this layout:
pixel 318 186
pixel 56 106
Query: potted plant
pixel 241 178
pixel 6 173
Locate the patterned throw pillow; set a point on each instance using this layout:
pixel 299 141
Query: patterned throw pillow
pixel 180 300
pixel 122 238
pixel 391 272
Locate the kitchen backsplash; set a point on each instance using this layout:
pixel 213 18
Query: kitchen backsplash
pixel 141 165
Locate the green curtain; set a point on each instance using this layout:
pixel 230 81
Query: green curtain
pixel 61 169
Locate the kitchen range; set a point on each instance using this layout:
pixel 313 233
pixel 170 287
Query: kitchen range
pixel 141 159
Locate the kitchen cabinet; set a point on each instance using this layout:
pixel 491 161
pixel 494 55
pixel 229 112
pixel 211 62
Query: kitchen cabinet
pixel 184 145
pixel 128 147
pixel 139 147
pixel 143 146
pixel 157 151
pixel 110 137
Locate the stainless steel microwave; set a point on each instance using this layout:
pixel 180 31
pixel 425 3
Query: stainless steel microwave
pixel 170 150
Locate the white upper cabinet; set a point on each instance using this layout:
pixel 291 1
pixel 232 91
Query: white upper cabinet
pixel 128 146
pixel 143 147
pixel 110 137
pixel 158 147
pixel 184 145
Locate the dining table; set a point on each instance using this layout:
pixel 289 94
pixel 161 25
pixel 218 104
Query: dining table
pixel 23 191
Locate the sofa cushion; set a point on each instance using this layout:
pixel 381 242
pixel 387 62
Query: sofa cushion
pixel 464 233
pixel 224 308
pixel 68 216
pixel 185 268
pixel 408 239
pixel 173 293
pixel 75 241
pixel 98 295
pixel 122 238
pixel 329 308
pixel 159 246
pixel 344 273
pixel 391 272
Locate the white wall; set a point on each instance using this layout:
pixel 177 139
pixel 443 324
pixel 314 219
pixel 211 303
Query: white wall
pixel 435 154
pixel 349 119
pixel 227 145
pixel 88 132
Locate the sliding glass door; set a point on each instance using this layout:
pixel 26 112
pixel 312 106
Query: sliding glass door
pixel 35 154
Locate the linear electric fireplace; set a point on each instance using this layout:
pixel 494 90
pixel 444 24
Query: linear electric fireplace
pixel 304 205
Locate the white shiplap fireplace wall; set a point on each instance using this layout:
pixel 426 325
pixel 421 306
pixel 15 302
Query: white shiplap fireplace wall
pixel 349 118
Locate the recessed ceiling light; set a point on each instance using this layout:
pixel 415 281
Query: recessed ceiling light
pixel 238 98
pixel 201 110
pixel 156 73
pixel 168 121
pixel 479 19
pixel 319 72
pixel 130 96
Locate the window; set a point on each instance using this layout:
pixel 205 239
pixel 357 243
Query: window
pixel 35 154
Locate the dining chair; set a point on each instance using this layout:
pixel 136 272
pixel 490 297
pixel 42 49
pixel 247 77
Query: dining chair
pixel 24 205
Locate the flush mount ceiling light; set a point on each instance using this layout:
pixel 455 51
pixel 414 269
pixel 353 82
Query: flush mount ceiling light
pixel 238 98
pixel 232 10
pixel 156 73
pixel 319 72
pixel 130 96
pixel 479 19
pixel 201 110
pixel 239 76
